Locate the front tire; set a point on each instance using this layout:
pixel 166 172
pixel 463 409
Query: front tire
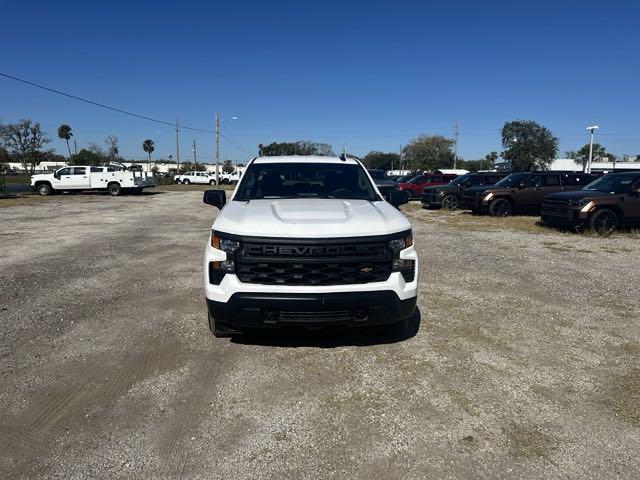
pixel 45 189
pixel 604 222
pixel 212 183
pixel 186 181
pixel 501 207
pixel 450 202
pixel 114 189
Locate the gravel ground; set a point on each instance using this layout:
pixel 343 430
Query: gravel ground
pixel 526 363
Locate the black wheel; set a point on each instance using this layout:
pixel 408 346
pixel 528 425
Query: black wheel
pixel 604 222
pixel 225 181
pixel 177 181
pixel 186 181
pixel 450 202
pixel 45 189
pixel 501 207
pixel 580 228
pixel 114 189
pixel 220 330
pixel 212 182
pixel 408 194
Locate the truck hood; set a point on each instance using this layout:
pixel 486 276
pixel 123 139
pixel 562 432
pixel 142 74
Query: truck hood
pixel 41 176
pixel 442 188
pixel 310 218
pixel 577 195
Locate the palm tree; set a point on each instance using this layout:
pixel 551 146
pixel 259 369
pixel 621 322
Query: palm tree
pixel 148 147
pixel 64 132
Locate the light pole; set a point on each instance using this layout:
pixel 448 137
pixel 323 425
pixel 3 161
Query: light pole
pixel 591 130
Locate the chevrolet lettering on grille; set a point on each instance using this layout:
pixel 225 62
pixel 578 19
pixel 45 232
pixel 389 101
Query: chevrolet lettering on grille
pixel 313 250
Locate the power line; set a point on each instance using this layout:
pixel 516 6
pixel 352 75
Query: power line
pixel 119 110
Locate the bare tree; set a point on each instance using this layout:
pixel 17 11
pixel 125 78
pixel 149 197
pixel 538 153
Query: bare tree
pixel 24 139
pixel 112 147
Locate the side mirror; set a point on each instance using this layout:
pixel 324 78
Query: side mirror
pixel 56 175
pixel 396 197
pixel 217 198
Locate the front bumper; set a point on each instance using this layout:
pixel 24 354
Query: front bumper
pixel 431 200
pixel 566 217
pixel 251 310
pixel 475 204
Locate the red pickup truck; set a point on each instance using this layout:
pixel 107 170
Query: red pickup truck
pixel 415 186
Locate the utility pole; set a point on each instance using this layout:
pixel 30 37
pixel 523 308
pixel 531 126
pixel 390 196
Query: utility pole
pixel 75 147
pixel 217 147
pixel 177 149
pixel 195 158
pixel 455 151
pixel 591 130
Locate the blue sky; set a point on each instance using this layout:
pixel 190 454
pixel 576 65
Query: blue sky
pixel 371 75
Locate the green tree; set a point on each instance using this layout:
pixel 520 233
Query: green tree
pixel 227 166
pixel 25 140
pixel 64 133
pixel 148 146
pixel 581 157
pixel 86 157
pixel 301 147
pixel 382 160
pixel 429 152
pixel 528 145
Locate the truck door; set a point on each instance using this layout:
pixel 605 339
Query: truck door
pixel 532 194
pixel 632 200
pixel 79 178
pixel 63 178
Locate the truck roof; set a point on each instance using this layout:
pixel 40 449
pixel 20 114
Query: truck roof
pixel 304 159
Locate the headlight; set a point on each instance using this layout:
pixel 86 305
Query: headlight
pixel 442 194
pixel 217 270
pixel 406 267
pixel 588 207
pixel 488 197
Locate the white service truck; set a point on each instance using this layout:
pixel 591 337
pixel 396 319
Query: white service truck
pixel 204 178
pixel 114 179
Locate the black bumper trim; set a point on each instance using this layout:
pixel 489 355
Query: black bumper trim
pixel 257 310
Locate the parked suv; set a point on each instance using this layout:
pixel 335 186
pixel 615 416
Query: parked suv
pixel 383 182
pixel 414 187
pixel 609 202
pixel 522 192
pixel 449 196
pixel 308 241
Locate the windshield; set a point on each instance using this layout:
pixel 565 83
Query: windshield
pixel 512 180
pixel 462 179
pixel 305 180
pixel 612 183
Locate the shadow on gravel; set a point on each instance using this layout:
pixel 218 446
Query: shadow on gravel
pixel 331 337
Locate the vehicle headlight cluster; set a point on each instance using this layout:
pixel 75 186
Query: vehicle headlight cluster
pixel 405 267
pixel 217 270
pixel 488 197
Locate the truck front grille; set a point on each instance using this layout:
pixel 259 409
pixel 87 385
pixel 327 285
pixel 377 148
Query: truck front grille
pixel 329 263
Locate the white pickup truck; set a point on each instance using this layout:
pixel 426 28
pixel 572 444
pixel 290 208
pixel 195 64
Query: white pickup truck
pixel 114 179
pixel 204 178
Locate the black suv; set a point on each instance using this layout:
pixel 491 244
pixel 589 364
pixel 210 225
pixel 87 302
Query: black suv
pixel 609 202
pixel 522 192
pixel 450 196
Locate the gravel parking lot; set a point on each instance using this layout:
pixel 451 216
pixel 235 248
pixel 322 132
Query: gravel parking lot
pixel 526 363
